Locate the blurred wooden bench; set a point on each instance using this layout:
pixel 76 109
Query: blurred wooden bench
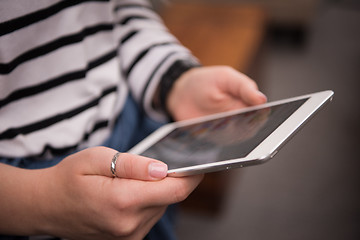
pixel 217 34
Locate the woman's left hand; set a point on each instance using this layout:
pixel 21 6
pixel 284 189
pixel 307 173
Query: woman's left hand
pixel 206 90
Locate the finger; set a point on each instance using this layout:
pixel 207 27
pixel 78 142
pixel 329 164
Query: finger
pixel 165 192
pixel 98 161
pixel 251 96
pixel 242 87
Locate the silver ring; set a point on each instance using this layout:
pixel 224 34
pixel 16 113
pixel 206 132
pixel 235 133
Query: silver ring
pixel 113 164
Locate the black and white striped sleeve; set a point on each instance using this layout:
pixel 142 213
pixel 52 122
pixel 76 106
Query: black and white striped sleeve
pixel 59 76
pixel 148 52
pixel 66 68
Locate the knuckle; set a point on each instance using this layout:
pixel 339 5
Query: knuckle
pixel 130 226
pixel 94 152
pixel 123 203
pixel 128 223
pixel 228 72
pixel 223 72
pixel 97 149
pixel 124 228
pixel 127 166
pixel 226 69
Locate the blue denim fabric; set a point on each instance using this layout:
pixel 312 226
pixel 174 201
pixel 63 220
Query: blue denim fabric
pixel 131 127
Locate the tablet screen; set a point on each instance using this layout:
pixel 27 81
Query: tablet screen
pixel 220 139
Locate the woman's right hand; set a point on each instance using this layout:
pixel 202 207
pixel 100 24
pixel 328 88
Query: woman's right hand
pixel 79 198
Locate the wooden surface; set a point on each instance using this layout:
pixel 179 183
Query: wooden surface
pixel 216 35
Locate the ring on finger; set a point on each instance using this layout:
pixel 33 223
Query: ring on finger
pixel 113 164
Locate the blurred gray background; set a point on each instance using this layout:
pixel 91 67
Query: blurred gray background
pixel 311 189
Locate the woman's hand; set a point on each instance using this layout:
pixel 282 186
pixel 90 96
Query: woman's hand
pixel 206 90
pixel 79 198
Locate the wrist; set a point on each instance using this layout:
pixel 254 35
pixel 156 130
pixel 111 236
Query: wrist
pixel 45 195
pixel 168 80
pixel 20 203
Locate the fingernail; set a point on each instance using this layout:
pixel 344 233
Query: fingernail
pixel 262 95
pixel 158 170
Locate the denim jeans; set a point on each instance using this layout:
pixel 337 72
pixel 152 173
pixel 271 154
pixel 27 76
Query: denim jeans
pixel 131 127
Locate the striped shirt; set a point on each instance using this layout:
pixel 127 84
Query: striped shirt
pixel 67 67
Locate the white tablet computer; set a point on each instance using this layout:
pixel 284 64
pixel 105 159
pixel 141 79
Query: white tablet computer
pixel 233 139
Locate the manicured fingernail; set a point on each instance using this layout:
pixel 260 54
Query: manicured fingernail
pixel 158 170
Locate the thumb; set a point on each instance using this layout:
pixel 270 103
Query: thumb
pixel 98 161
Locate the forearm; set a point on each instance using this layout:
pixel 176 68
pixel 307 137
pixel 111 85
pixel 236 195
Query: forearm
pixel 20 200
pixel 148 51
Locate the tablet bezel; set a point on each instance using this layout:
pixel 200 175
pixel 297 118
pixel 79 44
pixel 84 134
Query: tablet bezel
pixel 263 151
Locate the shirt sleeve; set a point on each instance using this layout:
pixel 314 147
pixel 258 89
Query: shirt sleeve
pixel 151 57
